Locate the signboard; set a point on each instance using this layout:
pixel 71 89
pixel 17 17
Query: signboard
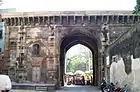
pixel 41 88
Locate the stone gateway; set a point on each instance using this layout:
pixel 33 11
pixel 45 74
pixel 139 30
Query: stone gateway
pixel 36 42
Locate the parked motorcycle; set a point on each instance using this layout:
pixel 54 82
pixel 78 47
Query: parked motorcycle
pixel 103 85
pixel 109 88
pixel 112 88
pixel 123 89
pixel 106 89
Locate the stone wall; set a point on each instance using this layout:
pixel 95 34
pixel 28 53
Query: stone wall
pixel 117 74
pixel 37 47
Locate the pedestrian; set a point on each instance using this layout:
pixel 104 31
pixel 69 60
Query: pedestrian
pixel 83 80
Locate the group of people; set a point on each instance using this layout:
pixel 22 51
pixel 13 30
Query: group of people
pixel 80 80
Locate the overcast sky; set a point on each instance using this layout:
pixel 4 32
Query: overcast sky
pixel 76 50
pixel 66 5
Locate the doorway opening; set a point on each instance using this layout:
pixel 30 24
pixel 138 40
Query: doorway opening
pixel 85 40
pixel 78 66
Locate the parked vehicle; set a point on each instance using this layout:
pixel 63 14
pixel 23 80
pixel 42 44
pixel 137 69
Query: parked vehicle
pixel 112 88
pixel 103 85
pixel 5 83
pixel 106 89
pixel 123 89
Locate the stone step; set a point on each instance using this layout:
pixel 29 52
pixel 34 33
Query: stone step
pixel 32 86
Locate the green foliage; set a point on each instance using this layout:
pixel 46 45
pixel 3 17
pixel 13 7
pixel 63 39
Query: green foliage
pixel 69 66
pixel 79 62
pixel 75 63
pixel 137 7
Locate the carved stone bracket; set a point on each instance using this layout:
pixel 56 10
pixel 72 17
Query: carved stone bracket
pixel 105 31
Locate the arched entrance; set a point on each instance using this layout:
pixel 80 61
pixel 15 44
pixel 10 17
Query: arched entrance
pixel 87 40
pixel 78 66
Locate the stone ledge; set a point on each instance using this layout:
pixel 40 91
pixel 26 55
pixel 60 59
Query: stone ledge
pixel 65 13
pixel 34 86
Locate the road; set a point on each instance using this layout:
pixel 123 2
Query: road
pixel 68 89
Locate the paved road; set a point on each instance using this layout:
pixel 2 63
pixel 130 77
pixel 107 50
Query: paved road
pixel 25 91
pixel 79 89
pixel 68 89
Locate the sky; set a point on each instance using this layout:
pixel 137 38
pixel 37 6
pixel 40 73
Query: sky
pixel 76 50
pixel 68 5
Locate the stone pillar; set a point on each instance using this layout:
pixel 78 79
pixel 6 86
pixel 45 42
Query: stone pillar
pixel 107 68
pixel 52 60
pixel 6 51
pixel 100 65
pixel 95 79
pixel 21 68
pixel 57 49
pixel 58 73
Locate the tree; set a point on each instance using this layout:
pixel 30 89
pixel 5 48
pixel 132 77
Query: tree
pixel 69 66
pixel 81 62
pixel 137 7
pixel 87 56
pixel 75 63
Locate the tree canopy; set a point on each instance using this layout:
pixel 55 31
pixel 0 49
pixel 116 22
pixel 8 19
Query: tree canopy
pixel 137 7
pixel 75 63
pixel 81 62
